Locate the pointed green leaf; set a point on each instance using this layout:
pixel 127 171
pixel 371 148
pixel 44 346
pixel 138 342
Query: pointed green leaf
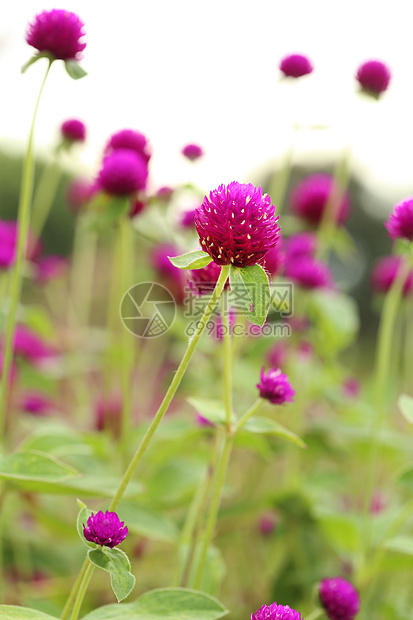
pixel 33 466
pixel 251 289
pixel 212 410
pixel 117 564
pixel 267 426
pixel 11 612
pixel 405 404
pixel 82 517
pixel 34 59
pixel 191 260
pixel 75 71
pixel 164 604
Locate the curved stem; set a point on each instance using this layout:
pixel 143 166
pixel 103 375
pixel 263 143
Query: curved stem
pixel 172 388
pixel 26 192
pixel 45 195
pixel 251 411
pixel 82 590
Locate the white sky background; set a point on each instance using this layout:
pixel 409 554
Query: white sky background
pixel 207 72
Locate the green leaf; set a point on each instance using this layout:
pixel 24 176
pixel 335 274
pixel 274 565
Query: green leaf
pixel 11 612
pixel 267 426
pixel 212 410
pixel 75 71
pixel 117 564
pixel 191 260
pixel 251 289
pixel 82 517
pixel 147 522
pixel 405 404
pixel 169 603
pixel 34 59
pixel 33 466
pixel 400 544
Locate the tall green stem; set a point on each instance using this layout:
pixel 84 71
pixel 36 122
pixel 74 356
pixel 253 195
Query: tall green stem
pixel 316 614
pixel 75 589
pixel 248 414
pixel 87 575
pixel 26 192
pixel 227 362
pixel 45 195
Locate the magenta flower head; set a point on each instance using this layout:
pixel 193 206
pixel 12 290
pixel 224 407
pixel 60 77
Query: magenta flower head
pixel 275 387
pixel 29 346
pixel 339 598
pixel 374 77
pixel 123 172
pixel 105 529
pixel 237 224
pixel 295 66
pixel 384 274
pixel 301 244
pixel 58 32
pixel 73 130
pixel 131 140
pixel 400 223
pixel 309 273
pixel 276 612
pixel 192 152
pixel 311 196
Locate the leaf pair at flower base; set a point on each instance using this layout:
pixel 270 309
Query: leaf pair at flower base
pixel 249 285
pixel 72 67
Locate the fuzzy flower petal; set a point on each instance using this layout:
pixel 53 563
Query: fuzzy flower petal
pixel 374 77
pixel 275 387
pixel 123 172
pixel 295 66
pixel 309 273
pixel 58 32
pixel 237 224
pixel 276 612
pixel 73 130
pixel 131 140
pixel 192 152
pixel 400 223
pixel 339 598
pixel 105 529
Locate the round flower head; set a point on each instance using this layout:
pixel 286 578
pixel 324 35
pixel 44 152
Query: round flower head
pixel 73 130
pixel 384 274
pixel 58 32
pixel 105 529
pixel 192 151
pixel 237 224
pixel 123 172
pixel 309 272
pixel 295 66
pixel 310 197
pixel 339 598
pixel 400 223
pixel 374 77
pixel 130 140
pixel 276 612
pixel 275 387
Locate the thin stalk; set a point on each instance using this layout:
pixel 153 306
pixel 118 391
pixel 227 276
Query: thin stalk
pixel 317 613
pixel 82 590
pixel 172 388
pixel 227 362
pixel 75 588
pixel 251 411
pixel 23 222
pixel 44 196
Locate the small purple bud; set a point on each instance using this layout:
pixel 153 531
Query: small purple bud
pixel 339 598
pixel 105 529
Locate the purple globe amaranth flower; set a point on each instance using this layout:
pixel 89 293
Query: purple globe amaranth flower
pixel 311 196
pixel 237 224
pixel 131 140
pixel 203 281
pixel 105 529
pixel 29 346
pixel 374 77
pixel 123 172
pixel 276 612
pixel 192 152
pixel 58 32
pixel 400 223
pixel 302 244
pixel 295 65
pixel 73 130
pixel 275 387
pixel 385 272
pixel 309 273
pixel 339 598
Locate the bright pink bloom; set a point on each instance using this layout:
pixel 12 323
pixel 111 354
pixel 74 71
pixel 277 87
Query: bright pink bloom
pixel 296 66
pixel 192 151
pixel 301 244
pixel 384 273
pixel 311 196
pixel 309 273
pixel 29 346
pixel 58 32
pixel 237 224
pixel 123 172
pixel 131 140
pixel 275 387
pixel 276 612
pixel 339 598
pixel 73 130
pixel 374 77
pixel 105 529
pixel 400 222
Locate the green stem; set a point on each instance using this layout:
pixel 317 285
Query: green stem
pixel 227 362
pixel 26 192
pixel 317 613
pixel 172 388
pixel 45 195
pixel 82 590
pixel 75 589
pixel 251 411
pixel 219 480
